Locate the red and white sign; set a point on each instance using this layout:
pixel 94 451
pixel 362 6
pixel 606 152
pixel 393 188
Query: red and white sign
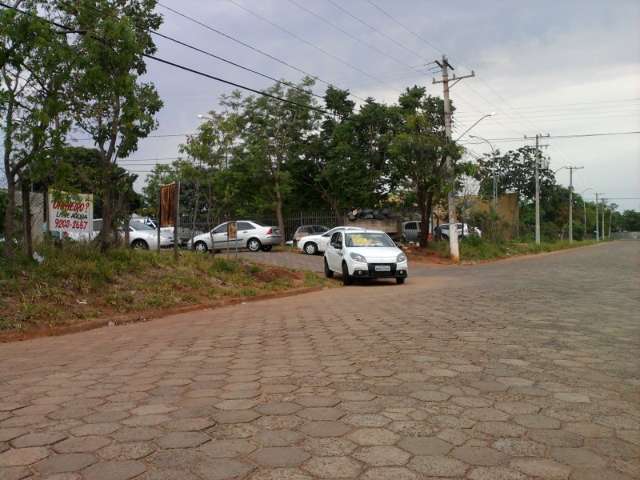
pixel 71 214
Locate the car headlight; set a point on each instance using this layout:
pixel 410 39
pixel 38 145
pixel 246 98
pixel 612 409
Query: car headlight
pixel 358 258
pixel 401 258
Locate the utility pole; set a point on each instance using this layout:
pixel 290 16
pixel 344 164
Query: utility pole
pixel 584 209
pixel 604 205
pixel 454 250
pixel 597 220
pixel 537 175
pixel 571 169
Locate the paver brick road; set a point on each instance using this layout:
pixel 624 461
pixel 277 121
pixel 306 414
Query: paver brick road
pixel 524 369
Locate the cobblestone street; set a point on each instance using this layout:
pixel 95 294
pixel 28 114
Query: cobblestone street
pixel 520 369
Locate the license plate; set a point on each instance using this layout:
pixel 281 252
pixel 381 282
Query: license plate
pixel 383 268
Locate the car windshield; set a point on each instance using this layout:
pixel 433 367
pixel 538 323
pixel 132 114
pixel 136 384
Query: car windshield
pixel 138 225
pixel 366 239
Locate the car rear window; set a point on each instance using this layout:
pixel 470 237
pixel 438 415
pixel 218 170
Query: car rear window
pixel 245 226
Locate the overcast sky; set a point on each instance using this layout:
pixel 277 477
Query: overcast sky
pixel 559 67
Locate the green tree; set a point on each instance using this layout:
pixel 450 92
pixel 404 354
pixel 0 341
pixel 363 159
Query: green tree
pixel 419 148
pixel 515 171
pixel 80 170
pixel 629 221
pixel 273 135
pixel 342 173
pixel 35 62
pixel 110 102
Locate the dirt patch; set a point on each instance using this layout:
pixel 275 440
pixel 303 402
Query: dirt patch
pixel 425 255
pixel 273 273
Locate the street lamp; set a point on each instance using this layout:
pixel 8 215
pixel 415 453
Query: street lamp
pixel 584 208
pixel 495 180
pixel 474 124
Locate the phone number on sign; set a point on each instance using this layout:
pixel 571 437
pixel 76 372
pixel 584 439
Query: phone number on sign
pixel 72 224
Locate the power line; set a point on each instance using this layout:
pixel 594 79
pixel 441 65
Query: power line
pixel 176 65
pixel 391 39
pixel 561 115
pixel 160 135
pixel 501 139
pixel 231 62
pixel 155 159
pixel 306 42
pixel 250 47
pixel 427 42
pixel 396 21
pixel 234 84
pixel 349 34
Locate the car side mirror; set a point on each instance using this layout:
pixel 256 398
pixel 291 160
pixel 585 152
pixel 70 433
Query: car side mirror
pixel 337 245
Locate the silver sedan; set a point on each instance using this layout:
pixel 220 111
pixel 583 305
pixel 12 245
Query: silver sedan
pixel 251 235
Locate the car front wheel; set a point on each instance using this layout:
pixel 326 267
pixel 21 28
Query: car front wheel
pixel 254 245
pixel 327 271
pixel 140 245
pixel 310 248
pixel 200 247
pixel 346 278
pixel 399 281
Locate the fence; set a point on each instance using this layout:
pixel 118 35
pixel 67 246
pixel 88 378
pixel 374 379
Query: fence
pixel 190 224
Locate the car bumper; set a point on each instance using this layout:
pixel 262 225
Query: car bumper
pixel 271 240
pixel 375 270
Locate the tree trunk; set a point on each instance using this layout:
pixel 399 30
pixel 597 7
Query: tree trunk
pixel 10 212
pixel 9 225
pixel 26 217
pixel 279 215
pixel 425 221
pixel 424 216
pixel 337 212
pixel 107 219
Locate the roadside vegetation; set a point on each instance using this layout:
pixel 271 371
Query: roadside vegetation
pixel 475 249
pixel 77 283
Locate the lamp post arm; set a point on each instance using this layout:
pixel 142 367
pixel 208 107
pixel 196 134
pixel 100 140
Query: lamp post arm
pixel 476 123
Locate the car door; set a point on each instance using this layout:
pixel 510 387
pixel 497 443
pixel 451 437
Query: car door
pixel 411 231
pixel 333 254
pixel 219 235
pixel 245 231
pixel 324 239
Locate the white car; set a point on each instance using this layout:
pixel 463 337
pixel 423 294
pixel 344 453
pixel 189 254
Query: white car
pixel 250 235
pixel 364 254
pixel 443 231
pixel 312 244
pixel 142 236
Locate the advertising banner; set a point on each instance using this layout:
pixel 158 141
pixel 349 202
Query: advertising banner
pixel 71 214
pixel 168 205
